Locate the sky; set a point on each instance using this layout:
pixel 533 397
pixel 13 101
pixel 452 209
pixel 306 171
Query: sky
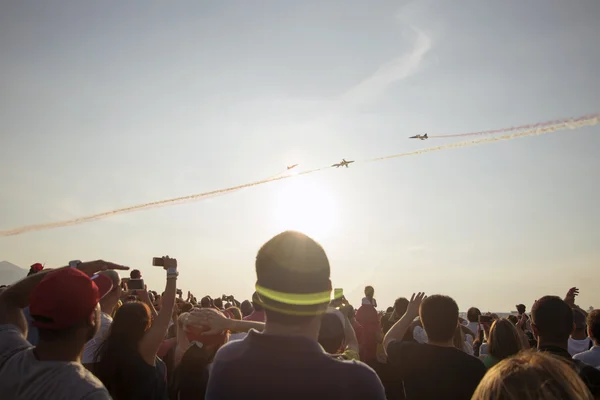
pixel 111 104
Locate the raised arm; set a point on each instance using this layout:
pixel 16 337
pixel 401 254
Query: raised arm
pixel 399 329
pixel 219 323
pixel 16 297
pixel 154 336
pixel 350 336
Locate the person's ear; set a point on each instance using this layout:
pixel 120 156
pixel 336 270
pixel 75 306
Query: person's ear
pixel 589 333
pixel 534 328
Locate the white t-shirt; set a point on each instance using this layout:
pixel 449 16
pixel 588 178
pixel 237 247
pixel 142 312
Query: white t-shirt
pixel 22 376
pixel 89 351
pixel 577 346
pixel 590 357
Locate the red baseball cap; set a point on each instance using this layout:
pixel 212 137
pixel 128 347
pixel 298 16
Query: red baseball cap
pixel 65 297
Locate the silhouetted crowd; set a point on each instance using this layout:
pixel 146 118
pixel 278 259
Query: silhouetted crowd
pixel 85 332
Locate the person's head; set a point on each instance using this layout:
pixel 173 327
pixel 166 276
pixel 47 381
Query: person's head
pixel 532 376
pixel 331 333
pixel 135 274
pixel 513 318
pixel 521 308
pixel 246 308
pixel 256 303
pixel 369 292
pixel 473 314
pixel 552 321
pixel 293 285
pixel 234 313
pixel 65 307
pixel 579 321
pixel 35 268
pixel 389 310
pixel 400 306
pixel 439 316
pixel 109 301
pixel 504 340
pixel 593 326
pixel 218 303
pixel 206 302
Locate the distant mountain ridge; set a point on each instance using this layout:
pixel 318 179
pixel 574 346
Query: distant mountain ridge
pixel 10 273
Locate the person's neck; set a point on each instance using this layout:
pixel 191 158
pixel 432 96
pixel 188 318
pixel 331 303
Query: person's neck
pixel 58 351
pixel 107 307
pixel 309 331
pixel 549 343
pixel 449 343
pixel 579 335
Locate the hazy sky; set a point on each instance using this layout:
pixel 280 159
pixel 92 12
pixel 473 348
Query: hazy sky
pixel 109 104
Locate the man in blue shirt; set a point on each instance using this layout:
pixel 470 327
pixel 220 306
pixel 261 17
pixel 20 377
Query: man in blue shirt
pixel 285 360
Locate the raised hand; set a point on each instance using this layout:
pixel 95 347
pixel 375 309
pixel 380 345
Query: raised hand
pixel 570 297
pixel 215 321
pixel 413 306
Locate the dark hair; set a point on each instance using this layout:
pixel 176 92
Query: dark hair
pixel 504 340
pixel 369 291
pixel 256 303
pixel 593 323
pixel 218 303
pixel 400 306
pixel 114 356
pixel 135 274
pixel 553 319
pixel 331 334
pixel 246 308
pixel 52 335
pixel 579 320
pixel 185 307
pixel 190 377
pixel 205 302
pixel 439 316
pixel 513 318
pixel 292 262
pixel 473 314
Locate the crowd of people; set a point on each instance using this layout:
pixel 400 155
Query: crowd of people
pixel 83 331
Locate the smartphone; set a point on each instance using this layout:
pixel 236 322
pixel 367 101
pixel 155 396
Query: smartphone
pixel 338 293
pixel 158 262
pixel 485 319
pixel 137 284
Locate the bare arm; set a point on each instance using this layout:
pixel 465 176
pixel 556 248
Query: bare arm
pixel 218 323
pixel 154 336
pixel 399 329
pixel 350 336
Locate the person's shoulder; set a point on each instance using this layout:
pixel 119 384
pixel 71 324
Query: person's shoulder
pixel 232 350
pixel 11 341
pixel 364 380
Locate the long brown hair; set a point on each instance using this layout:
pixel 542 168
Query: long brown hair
pixel 504 340
pixel 114 356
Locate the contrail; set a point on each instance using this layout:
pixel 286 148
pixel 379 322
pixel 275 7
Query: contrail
pixel 538 130
pixel 518 128
pixel 569 124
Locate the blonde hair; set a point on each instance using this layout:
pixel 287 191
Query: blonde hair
pixel 504 340
pixel 532 376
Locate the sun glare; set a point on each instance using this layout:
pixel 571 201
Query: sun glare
pixel 304 206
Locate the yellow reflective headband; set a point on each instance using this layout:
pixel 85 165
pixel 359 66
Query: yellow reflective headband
pixel 297 299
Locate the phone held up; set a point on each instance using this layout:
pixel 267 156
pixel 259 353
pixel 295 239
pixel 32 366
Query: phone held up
pixel 160 262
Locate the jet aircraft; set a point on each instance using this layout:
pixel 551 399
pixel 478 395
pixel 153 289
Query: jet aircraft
pixel 343 163
pixel 292 166
pixel 422 137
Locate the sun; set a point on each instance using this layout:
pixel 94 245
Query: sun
pixel 305 206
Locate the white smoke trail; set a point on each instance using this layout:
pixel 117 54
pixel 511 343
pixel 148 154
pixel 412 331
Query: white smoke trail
pixel 569 124
pixel 518 128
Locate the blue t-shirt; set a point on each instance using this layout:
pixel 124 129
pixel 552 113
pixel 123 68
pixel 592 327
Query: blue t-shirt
pixel 265 367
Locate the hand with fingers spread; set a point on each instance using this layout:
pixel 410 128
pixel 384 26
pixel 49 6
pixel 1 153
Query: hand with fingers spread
pixel 412 311
pixel 91 267
pixel 570 297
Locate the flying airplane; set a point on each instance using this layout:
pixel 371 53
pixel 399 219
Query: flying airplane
pixel 292 166
pixel 422 137
pixel 344 163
